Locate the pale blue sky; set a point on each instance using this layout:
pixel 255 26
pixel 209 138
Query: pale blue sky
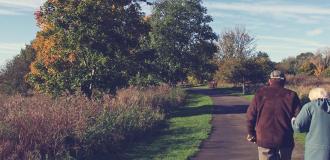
pixel 282 28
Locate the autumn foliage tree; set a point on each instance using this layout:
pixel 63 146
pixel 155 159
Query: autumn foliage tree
pixel 307 63
pixel 321 61
pixel 87 44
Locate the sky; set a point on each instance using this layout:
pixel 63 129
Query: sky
pixel 282 28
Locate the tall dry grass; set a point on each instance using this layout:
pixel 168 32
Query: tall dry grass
pixel 302 84
pixel 40 127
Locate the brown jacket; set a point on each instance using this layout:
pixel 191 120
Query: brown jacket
pixel 269 116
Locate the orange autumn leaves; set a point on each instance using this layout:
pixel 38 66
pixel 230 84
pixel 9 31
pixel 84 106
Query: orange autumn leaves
pixel 46 45
pixel 48 52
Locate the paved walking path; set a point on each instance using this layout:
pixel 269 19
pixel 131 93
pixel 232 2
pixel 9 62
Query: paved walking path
pixel 227 140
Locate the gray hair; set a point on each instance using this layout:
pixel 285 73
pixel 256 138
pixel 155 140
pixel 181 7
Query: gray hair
pixel 317 93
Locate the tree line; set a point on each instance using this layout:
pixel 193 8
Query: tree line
pixel 308 63
pixel 106 45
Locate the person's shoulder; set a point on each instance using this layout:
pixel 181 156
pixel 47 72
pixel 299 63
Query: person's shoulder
pixel 310 105
pixel 262 89
pixel 289 91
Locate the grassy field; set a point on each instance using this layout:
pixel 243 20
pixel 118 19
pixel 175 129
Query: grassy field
pixel 188 127
pixel 299 137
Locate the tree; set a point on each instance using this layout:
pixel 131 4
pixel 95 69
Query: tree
pixel 235 43
pixel 266 66
pixel 12 77
pixel 90 44
pixel 182 39
pixel 288 65
pixel 307 68
pixel 250 71
pixel 304 56
pixel 321 61
pixel 235 58
pixel 304 64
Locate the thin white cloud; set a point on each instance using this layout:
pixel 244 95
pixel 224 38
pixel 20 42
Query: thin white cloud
pixel 267 8
pixel 281 47
pixel 21 3
pixel 10 47
pixel 293 41
pixel 284 49
pixel 278 52
pixel 301 13
pixel 8 51
pixel 314 32
pixel 19 7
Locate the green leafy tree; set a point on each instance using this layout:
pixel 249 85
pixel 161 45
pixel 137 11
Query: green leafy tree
pixel 12 76
pixel 243 73
pixel 90 44
pixel 266 66
pixel 288 65
pixel 304 56
pixel 182 39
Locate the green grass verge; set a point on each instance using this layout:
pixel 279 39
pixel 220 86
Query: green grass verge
pixel 188 127
pixel 299 137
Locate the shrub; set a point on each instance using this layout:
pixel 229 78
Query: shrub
pixel 192 80
pixel 40 127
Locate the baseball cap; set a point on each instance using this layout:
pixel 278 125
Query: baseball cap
pixel 276 74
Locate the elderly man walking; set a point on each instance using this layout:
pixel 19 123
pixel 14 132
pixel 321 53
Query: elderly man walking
pixel 269 119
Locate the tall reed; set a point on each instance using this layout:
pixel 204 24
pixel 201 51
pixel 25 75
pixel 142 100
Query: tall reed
pixel 40 127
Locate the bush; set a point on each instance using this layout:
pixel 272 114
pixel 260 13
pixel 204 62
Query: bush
pixel 75 127
pixel 192 80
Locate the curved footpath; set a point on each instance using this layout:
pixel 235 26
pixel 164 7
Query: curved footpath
pixel 227 140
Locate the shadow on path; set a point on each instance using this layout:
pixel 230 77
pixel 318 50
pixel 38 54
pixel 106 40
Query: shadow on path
pixel 210 109
pixel 233 109
pixel 216 91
